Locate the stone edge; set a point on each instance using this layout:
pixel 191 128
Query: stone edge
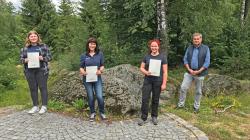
pixel 197 132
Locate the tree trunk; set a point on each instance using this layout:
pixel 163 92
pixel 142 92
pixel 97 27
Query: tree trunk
pixel 162 25
pixel 243 12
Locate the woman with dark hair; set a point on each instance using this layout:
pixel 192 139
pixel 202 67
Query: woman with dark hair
pixel 154 67
pixel 36 73
pixel 91 68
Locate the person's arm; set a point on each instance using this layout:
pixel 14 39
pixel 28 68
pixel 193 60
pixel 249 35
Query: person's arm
pixel 186 63
pixel 143 70
pixel 23 59
pixel 101 69
pixel 47 57
pixel 82 65
pixel 165 76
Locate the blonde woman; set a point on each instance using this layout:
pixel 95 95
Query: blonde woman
pixel 35 57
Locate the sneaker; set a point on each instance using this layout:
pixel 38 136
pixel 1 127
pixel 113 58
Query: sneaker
pixel 43 110
pixel 103 116
pixel 33 110
pixel 154 120
pixel 196 110
pixel 92 117
pixel 179 107
pixel 141 122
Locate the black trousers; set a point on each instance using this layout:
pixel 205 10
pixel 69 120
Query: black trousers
pixel 37 78
pixel 149 87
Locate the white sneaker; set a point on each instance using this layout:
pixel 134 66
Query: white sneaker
pixel 33 110
pixel 43 110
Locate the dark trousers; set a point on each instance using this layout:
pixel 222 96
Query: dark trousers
pixel 149 87
pixel 37 78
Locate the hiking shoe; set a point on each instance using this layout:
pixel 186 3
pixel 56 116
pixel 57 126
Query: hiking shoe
pixel 33 110
pixel 43 110
pixel 196 110
pixel 103 116
pixel 154 120
pixel 141 122
pixel 92 117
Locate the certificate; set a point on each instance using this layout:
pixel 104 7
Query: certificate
pixel 91 74
pixel 33 60
pixel 154 67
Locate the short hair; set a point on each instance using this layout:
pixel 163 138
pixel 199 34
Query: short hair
pixel 197 34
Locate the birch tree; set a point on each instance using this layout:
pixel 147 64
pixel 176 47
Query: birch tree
pixel 162 24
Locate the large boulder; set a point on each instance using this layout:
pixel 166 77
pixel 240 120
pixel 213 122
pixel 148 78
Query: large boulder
pixel 121 87
pixel 67 88
pixel 220 85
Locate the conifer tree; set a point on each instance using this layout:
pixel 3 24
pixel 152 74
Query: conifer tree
pixel 65 31
pixel 40 15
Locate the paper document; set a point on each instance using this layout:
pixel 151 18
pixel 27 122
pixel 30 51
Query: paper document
pixel 154 67
pixel 33 58
pixel 91 74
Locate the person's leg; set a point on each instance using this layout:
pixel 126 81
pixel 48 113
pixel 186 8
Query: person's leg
pixel 146 92
pixel 198 91
pixel 42 83
pixel 99 95
pixel 90 93
pixel 156 91
pixel 187 81
pixel 33 86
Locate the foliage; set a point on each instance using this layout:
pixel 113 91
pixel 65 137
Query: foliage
pixel 55 105
pixel 79 104
pixel 40 15
pixel 223 102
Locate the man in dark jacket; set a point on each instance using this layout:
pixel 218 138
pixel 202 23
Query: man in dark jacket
pixel 196 61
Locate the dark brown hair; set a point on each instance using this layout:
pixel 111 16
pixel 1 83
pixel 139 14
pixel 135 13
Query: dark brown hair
pixel 92 40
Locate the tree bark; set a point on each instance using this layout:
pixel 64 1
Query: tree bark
pixel 162 25
pixel 243 12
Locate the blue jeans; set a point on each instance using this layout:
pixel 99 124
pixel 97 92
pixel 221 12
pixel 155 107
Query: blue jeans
pixel 187 81
pixel 91 88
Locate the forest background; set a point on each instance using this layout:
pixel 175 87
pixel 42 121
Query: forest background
pixel 123 28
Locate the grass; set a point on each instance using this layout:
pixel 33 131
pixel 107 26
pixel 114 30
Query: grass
pixel 233 124
pixel 18 96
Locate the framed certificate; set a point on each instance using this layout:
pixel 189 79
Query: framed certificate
pixel 33 60
pixel 91 74
pixel 154 67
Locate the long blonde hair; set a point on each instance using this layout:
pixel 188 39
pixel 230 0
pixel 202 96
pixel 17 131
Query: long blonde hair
pixel 27 41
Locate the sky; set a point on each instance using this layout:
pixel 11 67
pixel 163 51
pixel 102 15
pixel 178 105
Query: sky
pixel 17 3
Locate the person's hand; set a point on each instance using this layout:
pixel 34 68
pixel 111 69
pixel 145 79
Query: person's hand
pixel 148 73
pixel 26 60
pixel 196 72
pixel 83 73
pixel 98 72
pixel 40 57
pixel 163 87
pixel 192 72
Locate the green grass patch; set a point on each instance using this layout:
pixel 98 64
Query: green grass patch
pixel 233 124
pixel 18 96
